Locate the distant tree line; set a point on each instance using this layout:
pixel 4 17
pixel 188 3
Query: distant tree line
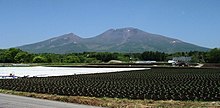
pixel 14 55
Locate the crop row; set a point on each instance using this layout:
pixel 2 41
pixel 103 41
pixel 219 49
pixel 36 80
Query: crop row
pixel 156 84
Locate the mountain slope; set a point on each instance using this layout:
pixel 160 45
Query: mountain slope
pixel 113 40
pixel 135 40
pixel 63 44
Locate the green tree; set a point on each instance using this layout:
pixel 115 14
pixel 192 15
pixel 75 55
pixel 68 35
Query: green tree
pixel 104 56
pixel 91 60
pixel 39 59
pixel 214 56
pixel 52 58
pixel 9 55
pixel 21 57
pixel 14 51
pixel 150 55
pixel 71 59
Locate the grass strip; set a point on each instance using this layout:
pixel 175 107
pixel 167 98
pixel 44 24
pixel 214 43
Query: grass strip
pixel 116 102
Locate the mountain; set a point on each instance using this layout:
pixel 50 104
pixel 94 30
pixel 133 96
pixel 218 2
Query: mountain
pixel 66 43
pixel 113 40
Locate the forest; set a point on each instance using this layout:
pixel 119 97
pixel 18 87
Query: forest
pixel 13 55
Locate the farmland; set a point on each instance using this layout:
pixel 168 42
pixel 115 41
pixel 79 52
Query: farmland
pixel 155 84
pixel 41 71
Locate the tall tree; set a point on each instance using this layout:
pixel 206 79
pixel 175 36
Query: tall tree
pixel 21 57
pixel 214 56
pixel 71 59
pixel 39 59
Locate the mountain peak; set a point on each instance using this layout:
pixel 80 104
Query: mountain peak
pixel 113 40
pixel 123 35
pixel 70 37
pixel 126 29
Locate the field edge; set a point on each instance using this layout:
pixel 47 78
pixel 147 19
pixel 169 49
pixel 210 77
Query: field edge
pixel 116 102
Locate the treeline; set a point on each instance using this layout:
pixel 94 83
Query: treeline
pixel 14 55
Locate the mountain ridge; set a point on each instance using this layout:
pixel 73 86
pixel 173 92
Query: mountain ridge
pixel 113 40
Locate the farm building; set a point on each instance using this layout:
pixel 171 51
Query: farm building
pixel 180 61
pixel 145 62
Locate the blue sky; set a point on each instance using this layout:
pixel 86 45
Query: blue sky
pixel 29 21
